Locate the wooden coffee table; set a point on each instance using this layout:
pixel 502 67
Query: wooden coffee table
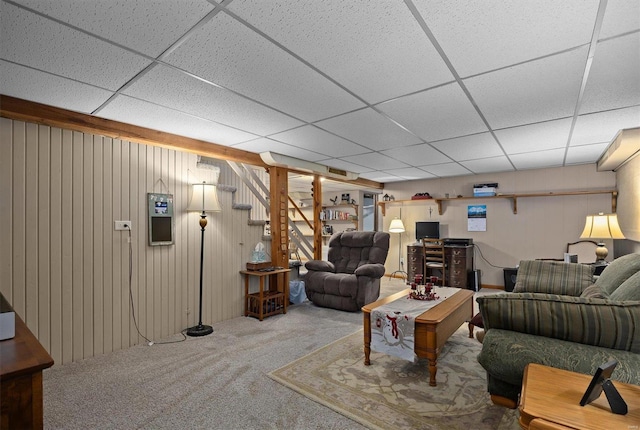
pixel 551 400
pixel 433 327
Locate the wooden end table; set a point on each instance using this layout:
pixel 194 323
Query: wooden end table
pixel 551 400
pixel 433 327
pixel 270 301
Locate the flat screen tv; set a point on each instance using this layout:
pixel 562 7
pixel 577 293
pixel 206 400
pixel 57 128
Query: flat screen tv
pixel 430 229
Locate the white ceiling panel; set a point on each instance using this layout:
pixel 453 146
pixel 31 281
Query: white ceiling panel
pixel 481 145
pixel 382 37
pixel 375 161
pixel 127 109
pixel 23 82
pixel 585 154
pixel 370 129
pixel 344 165
pixel 537 160
pixel 264 144
pixel 620 17
pixel 357 85
pixel 488 165
pixel 417 155
pixel 147 26
pixel 486 35
pixel 603 127
pixel 614 80
pixel 172 88
pixel 314 139
pixel 239 59
pixel 535 137
pixel 37 42
pixel 537 91
pixel 410 173
pixel 381 177
pixel 447 169
pixel 440 113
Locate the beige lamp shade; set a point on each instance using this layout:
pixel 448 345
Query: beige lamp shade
pixel 602 226
pixel 204 198
pixel 396 226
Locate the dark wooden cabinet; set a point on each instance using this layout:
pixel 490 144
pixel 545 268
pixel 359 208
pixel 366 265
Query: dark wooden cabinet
pixel 459 264
pixel 415 262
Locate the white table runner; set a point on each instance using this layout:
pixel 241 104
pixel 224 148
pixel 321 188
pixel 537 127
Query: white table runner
pixel 393 324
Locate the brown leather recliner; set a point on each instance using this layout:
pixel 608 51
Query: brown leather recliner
pixel 351 277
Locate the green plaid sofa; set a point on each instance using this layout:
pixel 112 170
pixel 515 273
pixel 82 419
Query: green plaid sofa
pixel 560 317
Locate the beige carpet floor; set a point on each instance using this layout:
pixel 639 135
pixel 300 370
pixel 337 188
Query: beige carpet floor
pixel 395 394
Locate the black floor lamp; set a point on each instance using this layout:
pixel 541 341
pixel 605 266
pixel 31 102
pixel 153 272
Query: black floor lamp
pixel 204 199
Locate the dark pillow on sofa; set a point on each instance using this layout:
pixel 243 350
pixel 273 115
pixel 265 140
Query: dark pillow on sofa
pixel 553 277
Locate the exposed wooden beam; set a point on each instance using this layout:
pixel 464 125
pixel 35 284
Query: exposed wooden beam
pixel 23 110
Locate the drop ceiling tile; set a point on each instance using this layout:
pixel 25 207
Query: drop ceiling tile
pixel 585 154
pixel 533 92
pixel 37 42
pixel 481 145
pixel 447 169
pixel 375 161
pixel 369 129
pixel 147 26
pixel 229 54
pixel 603 127
pixel 264 145
pixel 440 113
pixel 315 139
pixel 485 35
pixel 410 173
pixel 535 137
pixel 344 165
pixel 29 84
pixel 488 165
pixel 381 177
pixel 144 114
pixel 172 88
pixel 382 36
pixel 417 155
pixel 539 159
pixel 621 16
pixel 614 78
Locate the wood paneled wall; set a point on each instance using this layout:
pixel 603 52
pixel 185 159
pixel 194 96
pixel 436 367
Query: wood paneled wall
pixel 66 271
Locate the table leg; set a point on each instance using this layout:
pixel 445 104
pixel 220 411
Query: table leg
pixel 261 301
pixel 246 295
pixel 367 338
pixel 433 368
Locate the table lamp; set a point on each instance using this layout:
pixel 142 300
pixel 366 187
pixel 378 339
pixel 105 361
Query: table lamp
pixel 602 226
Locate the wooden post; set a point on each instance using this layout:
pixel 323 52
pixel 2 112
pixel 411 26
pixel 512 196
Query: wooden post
pixel 279 191
pixel 317 224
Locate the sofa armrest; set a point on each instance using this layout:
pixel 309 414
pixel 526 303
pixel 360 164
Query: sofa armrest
pixel 372 270
pixel 598 322
pixel 320 266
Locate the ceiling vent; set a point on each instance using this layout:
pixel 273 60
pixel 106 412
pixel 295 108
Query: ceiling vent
pixel 275 159
pixel 624 146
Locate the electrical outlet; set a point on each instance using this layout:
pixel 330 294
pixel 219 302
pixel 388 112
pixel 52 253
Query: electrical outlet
pixel 122 225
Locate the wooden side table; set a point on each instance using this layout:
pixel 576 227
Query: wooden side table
pixel 22 360
pixel 551 400
pixel 270 301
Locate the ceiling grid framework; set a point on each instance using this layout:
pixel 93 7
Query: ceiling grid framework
pixel 393 91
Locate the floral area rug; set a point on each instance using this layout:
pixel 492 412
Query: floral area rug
pixel 394 393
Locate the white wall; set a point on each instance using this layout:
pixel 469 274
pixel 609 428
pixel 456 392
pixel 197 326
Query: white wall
pixel 541 228
pixel 64 268
pixel 629 205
